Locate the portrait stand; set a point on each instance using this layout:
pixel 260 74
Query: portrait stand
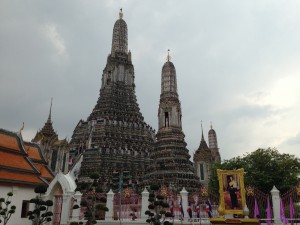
pixel 232 206
pixel 232 191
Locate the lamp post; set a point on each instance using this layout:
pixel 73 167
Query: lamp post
pixel 120 178
pixel 118 184
pixel 120 196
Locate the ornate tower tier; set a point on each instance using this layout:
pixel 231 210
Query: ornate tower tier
pixel 171 165
pixel 115 137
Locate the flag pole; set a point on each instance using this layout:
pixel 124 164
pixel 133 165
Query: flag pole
pixel 193 218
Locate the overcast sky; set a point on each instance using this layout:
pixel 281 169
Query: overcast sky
pixel 237 64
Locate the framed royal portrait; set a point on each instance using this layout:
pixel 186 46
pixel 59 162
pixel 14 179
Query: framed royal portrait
pixel 232 190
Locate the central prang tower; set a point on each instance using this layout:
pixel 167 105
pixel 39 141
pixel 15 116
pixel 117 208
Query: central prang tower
pixel 115 137
pixel 171 165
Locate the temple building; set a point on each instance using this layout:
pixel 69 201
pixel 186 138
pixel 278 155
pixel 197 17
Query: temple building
pixel 171 164
pixel 115 137
pixel 56 151
pixel 22 168
pixel 205 156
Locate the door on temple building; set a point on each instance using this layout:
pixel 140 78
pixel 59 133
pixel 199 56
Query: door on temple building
pixel 57 204
pixel 57 209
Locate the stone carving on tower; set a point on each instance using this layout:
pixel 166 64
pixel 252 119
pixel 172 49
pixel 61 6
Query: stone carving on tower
pixel 55 151
pixel 171 164
pixel 205 156
pixel 115 137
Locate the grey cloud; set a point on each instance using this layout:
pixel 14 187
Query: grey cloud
pixel 221 49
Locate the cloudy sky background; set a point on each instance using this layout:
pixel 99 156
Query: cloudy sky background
pixel 237 65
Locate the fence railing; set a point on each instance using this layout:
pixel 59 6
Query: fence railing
pixel 256 201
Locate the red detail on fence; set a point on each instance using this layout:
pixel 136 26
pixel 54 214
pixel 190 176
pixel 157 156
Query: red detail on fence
pixel 130 207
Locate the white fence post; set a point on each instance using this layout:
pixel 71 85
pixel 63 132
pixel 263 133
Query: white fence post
pixel 77 200
pixel 276 205
pixel 110 205
pixel 145 203
pixel 184 197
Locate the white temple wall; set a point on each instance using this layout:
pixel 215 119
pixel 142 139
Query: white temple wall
pixel 19 194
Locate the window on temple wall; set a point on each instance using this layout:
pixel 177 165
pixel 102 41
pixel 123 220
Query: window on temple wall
pixel 201 171
pixel 166 119
pixel 25 208
pixel 64 162
pixel 179 119
pixel 53 160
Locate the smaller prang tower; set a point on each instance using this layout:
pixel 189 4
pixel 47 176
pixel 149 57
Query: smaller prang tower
pixel 170 159
pixel 205 156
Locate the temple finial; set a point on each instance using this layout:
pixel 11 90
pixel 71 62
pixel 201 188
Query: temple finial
pixel 121 14
pixel 202 130
pixel 168 57
pixel 49 117
pixel 22 128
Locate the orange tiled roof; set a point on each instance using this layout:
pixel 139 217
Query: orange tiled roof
pixel 8 141
pixel 33 152
pixel 44 171
pixel 15 161
pixel 18 168
pixel 10 176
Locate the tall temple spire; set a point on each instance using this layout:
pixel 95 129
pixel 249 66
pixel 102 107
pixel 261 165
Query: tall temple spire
pixel 171 165
pixel 115 134
pixel 169 109
pixel 168 80
pixel 120 36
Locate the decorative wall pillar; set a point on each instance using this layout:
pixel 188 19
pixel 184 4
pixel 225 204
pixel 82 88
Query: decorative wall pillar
pixel 110 205
pixel 145 203
pixel 276 204
pixel 184 197
pixel 65 211
pixel 77 201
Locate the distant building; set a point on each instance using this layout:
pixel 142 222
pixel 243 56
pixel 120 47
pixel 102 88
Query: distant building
pixel 55 151
pixel 205 156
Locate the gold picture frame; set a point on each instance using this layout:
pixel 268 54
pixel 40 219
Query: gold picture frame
pixel 232 191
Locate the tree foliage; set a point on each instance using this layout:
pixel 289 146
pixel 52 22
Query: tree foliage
pixel 5 209
pixel 264 168
pixel 41 213
pixel 92 202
